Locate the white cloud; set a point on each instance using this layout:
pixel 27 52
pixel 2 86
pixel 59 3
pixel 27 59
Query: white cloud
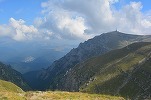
pixel 130 19
pixel 22 31
pixel 5 30
pixel 80 19
pixel 96 16
pixel 17 30
pixel 61 23
pixel 96 12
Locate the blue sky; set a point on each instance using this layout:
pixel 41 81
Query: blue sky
pixel 29 9
pixel 20 9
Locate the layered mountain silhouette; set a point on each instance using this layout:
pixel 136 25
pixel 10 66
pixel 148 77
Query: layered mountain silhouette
pixel 51 77
pixel 112 63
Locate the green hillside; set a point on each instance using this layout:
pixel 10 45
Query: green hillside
pixel 9 91
pixel 124 72
pixel 9 87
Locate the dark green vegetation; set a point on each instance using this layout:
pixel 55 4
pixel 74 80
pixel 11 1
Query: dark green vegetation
pixel 52 76
pixel 11 75
pixel 125 72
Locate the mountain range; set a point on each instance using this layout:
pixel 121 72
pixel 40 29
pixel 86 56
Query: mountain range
pixel 112 63
pixel 99 45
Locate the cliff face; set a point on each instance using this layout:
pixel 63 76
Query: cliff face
pixel 97 46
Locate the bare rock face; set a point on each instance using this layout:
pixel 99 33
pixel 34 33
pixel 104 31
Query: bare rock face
pixel 52 76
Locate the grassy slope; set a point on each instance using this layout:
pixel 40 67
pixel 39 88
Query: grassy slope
pixel 9 91
pixel 139 85
pixel 108 74
pixel 119 77
pixel 49 95
pixel 57 95
pixel 8 86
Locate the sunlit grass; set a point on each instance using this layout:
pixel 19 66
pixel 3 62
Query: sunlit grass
pixel 58 95
pixel 55 95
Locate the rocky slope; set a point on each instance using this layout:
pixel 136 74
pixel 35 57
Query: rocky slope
pixel 125 72
pixel 11 75
pixel 93 47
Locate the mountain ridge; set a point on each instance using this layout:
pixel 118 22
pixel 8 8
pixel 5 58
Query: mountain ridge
pixel 93 47
pixel 123 72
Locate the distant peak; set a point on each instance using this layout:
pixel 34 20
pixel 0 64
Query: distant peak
pixel 116 30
